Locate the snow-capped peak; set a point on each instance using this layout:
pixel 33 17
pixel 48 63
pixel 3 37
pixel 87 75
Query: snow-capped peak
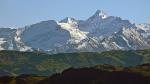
pixel 98 33
pixel 101 14
pixel 97 17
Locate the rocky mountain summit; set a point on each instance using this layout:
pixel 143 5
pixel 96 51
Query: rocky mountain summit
pixel 99 32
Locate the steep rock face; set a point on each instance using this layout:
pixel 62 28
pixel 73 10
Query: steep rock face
pixel 127 38
pixel 100 32
pixel 7 38
pixel 97 25
pixel 144 30
pixel 45 35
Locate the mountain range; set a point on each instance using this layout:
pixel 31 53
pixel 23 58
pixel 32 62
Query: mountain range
pixel 99 32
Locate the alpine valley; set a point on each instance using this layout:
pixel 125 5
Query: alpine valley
pixel 98 33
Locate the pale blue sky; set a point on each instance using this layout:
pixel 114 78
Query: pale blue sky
pixel 18 13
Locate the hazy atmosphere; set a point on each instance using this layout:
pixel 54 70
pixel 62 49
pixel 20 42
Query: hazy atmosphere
pixel 18 13
pixel 74 41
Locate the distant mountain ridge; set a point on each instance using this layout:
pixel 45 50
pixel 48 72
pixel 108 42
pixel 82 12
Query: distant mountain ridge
pixel 100 32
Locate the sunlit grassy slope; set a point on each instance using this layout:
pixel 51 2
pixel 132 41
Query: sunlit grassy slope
pixel 15 63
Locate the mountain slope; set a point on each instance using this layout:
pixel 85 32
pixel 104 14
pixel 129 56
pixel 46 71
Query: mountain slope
pixel 100 32
pixel 15 63
pixel 100 74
